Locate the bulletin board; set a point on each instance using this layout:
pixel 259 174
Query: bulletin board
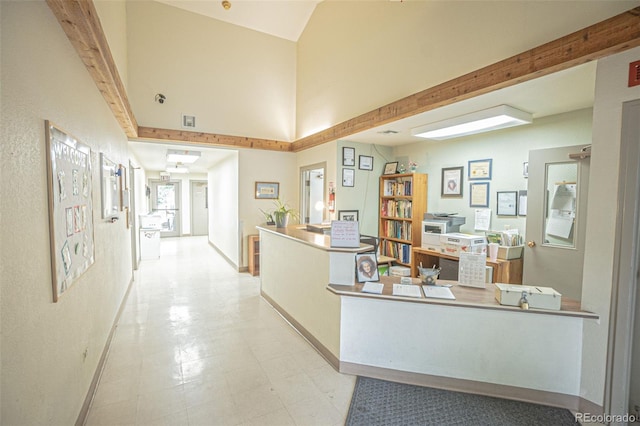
pixel 70 208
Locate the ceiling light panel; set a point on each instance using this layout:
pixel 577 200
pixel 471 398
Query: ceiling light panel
pixel 186 157
pixel 495 118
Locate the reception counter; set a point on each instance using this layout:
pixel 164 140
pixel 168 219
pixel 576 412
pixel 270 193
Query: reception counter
pixel 472 344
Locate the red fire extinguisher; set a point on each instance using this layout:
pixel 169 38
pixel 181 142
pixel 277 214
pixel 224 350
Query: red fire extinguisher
pixel 332 198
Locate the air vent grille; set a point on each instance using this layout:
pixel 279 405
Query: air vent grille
pixel 188 121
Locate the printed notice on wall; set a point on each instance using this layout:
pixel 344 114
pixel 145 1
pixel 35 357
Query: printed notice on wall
pixel 344 233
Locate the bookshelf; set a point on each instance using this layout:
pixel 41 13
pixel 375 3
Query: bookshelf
pixel 403 202
pixel 254 254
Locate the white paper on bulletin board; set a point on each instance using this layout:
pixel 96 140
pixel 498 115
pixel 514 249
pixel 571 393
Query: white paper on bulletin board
pixel 482 219
pixel 344 233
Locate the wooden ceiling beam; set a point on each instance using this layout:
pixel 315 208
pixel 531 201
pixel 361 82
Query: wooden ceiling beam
pixel 610 36
pixel 80 22
pixel 210 139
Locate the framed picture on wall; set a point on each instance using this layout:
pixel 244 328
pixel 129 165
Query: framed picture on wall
pixel 267 190
pixel 507 203
pixel 351 215
pixel 452 181
pixel 480 169
pixel 348 156
pixel 365 162
pixel 348 177
pixel 479 194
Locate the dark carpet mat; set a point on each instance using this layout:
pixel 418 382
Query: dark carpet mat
pixel 378 402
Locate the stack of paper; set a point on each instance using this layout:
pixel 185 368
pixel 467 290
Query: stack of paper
pixel 407 290
pixel 438 292
pixel 372 287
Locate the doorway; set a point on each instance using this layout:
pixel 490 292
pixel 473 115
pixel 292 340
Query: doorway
pixel 622 385
pixel 165 202
pixel 312 202
pixel 199 208
pixel 556 220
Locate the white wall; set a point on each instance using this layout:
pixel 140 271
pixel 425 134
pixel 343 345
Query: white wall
pixel 113 18
pixel 224 223
pixel 234 80
pixel 508 149
pixel 50 351
pixel 354 57
pixel 364 195
pixel 263 166
pixel 611 91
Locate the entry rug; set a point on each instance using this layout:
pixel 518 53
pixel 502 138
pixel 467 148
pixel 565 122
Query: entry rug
pixel 378 402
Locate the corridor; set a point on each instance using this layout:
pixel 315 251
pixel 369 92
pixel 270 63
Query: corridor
pixel 196 345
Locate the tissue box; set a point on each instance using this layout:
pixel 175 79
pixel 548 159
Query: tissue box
pixel 538 297
pixel 453 244
pixel 508 253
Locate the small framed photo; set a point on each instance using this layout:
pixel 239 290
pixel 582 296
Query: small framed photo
pixel 390 168
pixel 480 169
pixel 452 182
pixel 479 194
pixel 267 190
pixel 367 267
pixel 365 162
pixel 507 203
pixel 348 156
pixel 348 177
pixel 350 215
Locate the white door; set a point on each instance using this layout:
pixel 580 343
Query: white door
pixel 199 208
pixel 165 201
pixel 556 220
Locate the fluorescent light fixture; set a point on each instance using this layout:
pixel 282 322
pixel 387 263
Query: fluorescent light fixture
pixel 495 118
pixel 187 157
pixel 177 169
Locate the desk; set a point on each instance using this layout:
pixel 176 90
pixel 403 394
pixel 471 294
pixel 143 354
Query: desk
pixel 504 271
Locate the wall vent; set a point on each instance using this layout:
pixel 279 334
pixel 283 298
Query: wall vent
pixel 634 73
pixel 188 121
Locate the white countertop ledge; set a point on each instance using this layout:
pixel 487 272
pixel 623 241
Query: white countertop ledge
pixel 321 241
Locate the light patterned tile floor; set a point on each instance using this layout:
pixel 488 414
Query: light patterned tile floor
pixel 197 346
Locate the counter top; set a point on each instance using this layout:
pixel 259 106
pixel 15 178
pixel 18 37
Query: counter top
pixel 314 239
pixel 470 297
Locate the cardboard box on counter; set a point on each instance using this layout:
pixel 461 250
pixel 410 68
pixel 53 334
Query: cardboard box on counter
pixel 455 243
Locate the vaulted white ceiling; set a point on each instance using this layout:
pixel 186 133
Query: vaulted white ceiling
pixel 285 19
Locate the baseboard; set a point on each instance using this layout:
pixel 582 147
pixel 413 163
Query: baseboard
pixel 82 417
pixel 224 256
pixel 315 343
pixel 554 399
pixel 243 269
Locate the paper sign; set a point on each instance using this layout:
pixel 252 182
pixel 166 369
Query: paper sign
pixel 344 233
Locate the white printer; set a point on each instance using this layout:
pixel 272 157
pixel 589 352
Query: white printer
pixel 436 224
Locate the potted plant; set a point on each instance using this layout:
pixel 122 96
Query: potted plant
pixel 281 214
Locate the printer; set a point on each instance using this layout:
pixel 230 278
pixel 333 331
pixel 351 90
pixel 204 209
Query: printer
pixel 435 224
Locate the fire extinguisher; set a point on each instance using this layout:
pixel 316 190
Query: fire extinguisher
pixel 332 198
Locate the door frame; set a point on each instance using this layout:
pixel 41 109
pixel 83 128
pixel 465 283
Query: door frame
pixel 626 268
pixel 191 182
pixel 303 197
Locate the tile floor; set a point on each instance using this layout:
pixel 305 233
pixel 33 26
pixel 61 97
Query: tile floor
pixel 196 345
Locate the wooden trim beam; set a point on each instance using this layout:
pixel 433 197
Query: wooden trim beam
pixel 619 33
pixel 210 139
pixel 80 22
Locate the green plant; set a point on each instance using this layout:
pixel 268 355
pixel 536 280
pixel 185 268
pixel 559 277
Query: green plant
pixel 280 214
